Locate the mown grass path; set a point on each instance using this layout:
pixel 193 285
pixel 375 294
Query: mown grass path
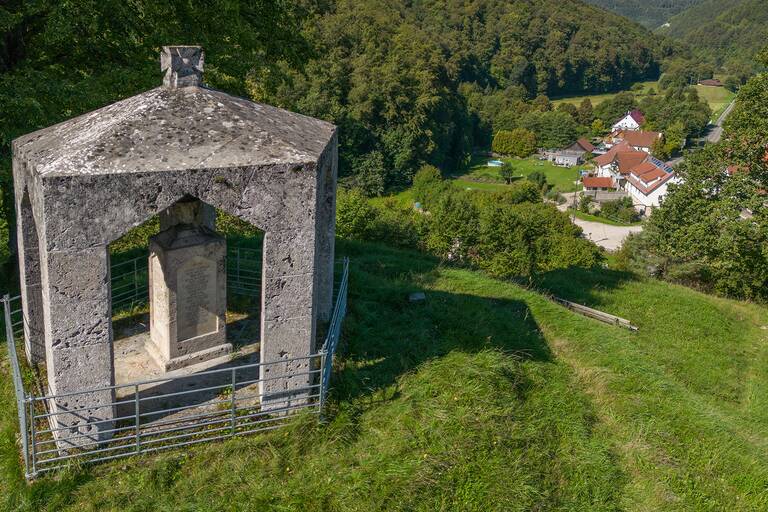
pixel 486 397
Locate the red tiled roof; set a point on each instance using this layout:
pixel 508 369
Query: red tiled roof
pixel 595 182
pixel 712 82
pixel 608 157
pixel 647 177
pixel 639 139
pixel 647 189
pixel 585 145
pixel 637 116
pixel 626 160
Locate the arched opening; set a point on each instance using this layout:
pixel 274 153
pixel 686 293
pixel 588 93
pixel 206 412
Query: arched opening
pixel 169 295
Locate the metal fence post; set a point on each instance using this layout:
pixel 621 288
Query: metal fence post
pixel 32 449
pixel 322 381
pixel 237 262
pixel 232 401
pixel 18 385
pixel 138 417
pixel 135 283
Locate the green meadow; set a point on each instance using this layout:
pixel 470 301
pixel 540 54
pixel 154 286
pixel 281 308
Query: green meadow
pixel 487 396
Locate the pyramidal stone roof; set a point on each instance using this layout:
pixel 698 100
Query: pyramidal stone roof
pixel 174 127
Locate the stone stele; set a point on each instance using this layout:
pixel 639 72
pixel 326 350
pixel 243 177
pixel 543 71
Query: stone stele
pixel 83 183
pixel 187 288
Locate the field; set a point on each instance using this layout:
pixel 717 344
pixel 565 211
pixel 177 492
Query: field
pixel 481 177
pixel 596 99
pixel 717 97
pixel 486 397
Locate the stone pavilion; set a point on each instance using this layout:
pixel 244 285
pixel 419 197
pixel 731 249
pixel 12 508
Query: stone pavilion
pixel 179 150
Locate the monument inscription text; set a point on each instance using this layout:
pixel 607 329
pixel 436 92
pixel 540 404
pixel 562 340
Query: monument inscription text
pixel 196 299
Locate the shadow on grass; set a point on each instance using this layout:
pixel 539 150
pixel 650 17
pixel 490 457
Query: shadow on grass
pixel 581 285
pixel 388 335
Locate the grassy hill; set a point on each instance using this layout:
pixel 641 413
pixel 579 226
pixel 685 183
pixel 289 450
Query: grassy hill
pixel 651 13
pixel 486 397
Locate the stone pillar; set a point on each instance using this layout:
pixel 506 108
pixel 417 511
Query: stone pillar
pixel 77 314
pixel 287 319
pixel 326 233
pixel 29 270
pixel 187 283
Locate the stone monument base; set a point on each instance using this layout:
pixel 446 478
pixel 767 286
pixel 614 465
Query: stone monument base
pixel 175 363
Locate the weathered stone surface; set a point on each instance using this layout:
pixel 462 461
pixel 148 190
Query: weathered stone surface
pixel 188 294
pixel 182 66
pixel 85 182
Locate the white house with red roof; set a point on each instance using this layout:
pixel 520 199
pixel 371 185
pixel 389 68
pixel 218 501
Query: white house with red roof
pixel 625 168
pixel 632 121
pixel 647 183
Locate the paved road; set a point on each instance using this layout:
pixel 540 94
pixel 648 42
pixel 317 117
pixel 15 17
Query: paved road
pixel 606 236
pixel 716 132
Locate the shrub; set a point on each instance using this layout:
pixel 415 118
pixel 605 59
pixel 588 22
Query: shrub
pixel 620 210
pixel 584 203
pixel 453 226
pixel 540 180
pixel 355 217
pixel 427 184
pixel 399 226
pixel 527 238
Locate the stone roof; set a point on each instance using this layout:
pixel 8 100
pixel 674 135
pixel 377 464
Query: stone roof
pixel 174 129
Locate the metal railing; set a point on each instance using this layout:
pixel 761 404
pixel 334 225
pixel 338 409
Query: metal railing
pixel 172 411
pixel 243 271
pixel 130 278
pixel 130 283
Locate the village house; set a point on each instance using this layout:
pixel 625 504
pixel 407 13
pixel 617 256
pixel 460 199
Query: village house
pixel 571 156
pixel 640 140
pixel 647 184
pixel 618 162
pixel 711 82
pixel 626 169
pixel 632 120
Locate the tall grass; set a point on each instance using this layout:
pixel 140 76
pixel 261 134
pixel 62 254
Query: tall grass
pixel 486 396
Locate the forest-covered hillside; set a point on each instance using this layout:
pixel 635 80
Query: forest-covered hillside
pixel 651 13
pixel 725 32
pixel 394 75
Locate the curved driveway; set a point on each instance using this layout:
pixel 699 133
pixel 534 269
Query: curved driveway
pixel 605 235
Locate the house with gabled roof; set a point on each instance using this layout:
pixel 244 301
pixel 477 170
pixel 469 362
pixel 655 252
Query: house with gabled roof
pixel 638 139
pixel 647 183
pixel 632 120
pixel 575 154
pixel 624 168
pixel 617 162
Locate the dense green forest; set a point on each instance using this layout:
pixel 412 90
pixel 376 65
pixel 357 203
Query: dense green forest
pixel 651 13
pixel 725 32
pixel 407 82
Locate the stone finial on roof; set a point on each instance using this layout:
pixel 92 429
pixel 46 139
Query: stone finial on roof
pixel 182 65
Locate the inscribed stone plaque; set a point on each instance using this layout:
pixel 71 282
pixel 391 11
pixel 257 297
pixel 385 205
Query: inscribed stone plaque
pixel 196 296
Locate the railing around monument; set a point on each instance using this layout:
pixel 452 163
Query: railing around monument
pixel 169 412
pixel 130 278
